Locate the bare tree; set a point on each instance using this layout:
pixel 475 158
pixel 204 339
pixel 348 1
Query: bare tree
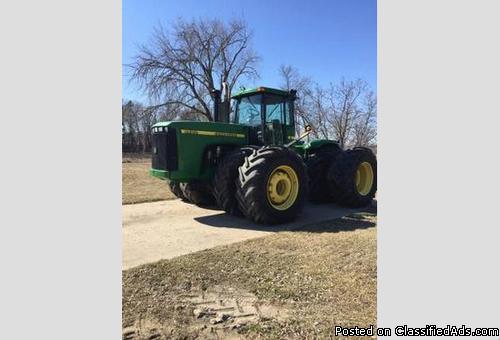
pixel 147 119
pixel 364 129
pixel 136 126
pixel 320 112
pixel 345 111
pixel 130 125
pixel 130 116
pixel 344 98
pixel 182 67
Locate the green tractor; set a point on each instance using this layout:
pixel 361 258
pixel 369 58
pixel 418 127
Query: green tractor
pixel 249 163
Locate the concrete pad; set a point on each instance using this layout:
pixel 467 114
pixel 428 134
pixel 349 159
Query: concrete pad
pixel 166 229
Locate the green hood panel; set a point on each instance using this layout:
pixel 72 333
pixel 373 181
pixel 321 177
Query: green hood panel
pixel 194 141
pixel 203 126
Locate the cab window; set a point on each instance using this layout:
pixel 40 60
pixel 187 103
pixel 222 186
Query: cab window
pixel 249 110
pixel 277 108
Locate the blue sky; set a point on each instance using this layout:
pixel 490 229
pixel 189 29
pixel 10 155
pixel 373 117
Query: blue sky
pixel 322 39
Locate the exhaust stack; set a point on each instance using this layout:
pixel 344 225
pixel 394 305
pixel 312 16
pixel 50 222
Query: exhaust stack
pixel 221 106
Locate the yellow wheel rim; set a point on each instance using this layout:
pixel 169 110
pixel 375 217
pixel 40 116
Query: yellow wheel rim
pixel 364 178
pixel 282 187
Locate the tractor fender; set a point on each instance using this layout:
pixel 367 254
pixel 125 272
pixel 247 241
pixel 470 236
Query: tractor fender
pixel 322 144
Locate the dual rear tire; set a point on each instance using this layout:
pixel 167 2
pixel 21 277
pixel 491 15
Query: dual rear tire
pixel 317 167
pixel 347 178
pixel 352 178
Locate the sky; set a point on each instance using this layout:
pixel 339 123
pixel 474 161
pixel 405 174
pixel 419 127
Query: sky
pixel 325 40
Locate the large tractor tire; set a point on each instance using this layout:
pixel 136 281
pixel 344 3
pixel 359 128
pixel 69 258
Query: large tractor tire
pixel 175 187
pixel 317 168
pixel 198 193
pixel 272 185
pixel 354 177
pixel 224 183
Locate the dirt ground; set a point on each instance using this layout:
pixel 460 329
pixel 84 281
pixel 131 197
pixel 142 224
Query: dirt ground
pixel 293 284
pixel 137 185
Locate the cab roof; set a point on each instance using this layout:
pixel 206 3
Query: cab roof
pixel 260 89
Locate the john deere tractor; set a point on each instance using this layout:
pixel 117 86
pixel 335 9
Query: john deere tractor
pixel 249 163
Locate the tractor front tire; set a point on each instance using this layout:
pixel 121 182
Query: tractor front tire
pixel 175 187
pixel 272 185
pixel 224 183
pixel 354 177
pixel 198 193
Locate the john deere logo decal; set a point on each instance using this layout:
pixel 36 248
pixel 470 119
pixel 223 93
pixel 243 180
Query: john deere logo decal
pixel 212 133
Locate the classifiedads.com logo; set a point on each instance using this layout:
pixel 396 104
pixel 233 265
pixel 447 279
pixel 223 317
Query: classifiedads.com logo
pixel 404 330
pixel 433 330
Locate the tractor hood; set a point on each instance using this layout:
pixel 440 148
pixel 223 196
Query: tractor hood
pixel 204 129
pixel 183 150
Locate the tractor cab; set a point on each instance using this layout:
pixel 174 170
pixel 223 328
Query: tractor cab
pixel 269 114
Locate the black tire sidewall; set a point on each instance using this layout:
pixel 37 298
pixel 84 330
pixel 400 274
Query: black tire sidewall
pixel 317 168
pixel 175 188
pixel 266 213
pixel 225 180
pixel 344 172
pixel 198 193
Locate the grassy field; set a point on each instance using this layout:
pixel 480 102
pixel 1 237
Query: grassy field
pixel 292 285
pixel 137 185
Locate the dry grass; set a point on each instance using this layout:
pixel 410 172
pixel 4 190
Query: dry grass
pixel 137 185
pixel 320 276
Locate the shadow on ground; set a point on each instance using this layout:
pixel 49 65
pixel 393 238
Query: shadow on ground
pixel 315 218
